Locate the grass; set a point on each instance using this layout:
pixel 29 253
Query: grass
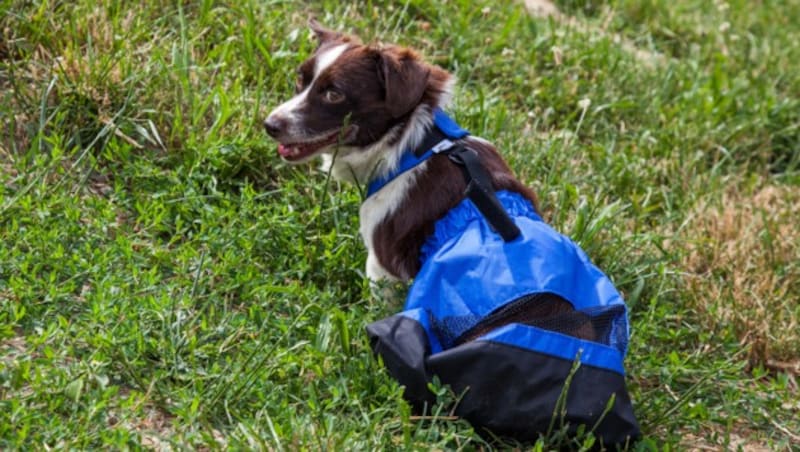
pixel 165 281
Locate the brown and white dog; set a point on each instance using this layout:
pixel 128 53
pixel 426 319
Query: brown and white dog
pixel 367 105
pixel 501 321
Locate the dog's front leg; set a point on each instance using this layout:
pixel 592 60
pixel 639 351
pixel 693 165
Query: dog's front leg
pixel 382 282
pixel 375 271
pixel 384 285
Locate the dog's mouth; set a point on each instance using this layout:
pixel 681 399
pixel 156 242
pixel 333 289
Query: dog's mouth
pixel 301 150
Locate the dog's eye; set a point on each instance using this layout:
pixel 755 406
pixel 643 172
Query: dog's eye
pixel 332 96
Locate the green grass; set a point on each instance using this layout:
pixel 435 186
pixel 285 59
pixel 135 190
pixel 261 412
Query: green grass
pixel 166 281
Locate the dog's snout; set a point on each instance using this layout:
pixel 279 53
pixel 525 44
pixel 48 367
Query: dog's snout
pixel 274 125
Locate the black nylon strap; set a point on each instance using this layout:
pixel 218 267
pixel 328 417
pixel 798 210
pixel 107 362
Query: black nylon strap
pixel 480 192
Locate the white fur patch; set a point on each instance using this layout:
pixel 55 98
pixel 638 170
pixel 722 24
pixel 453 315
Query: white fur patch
pixel 289 109
pixel 363 165
pixel 360 165
pixel 376 272
pixel 375 209
pixel 326 58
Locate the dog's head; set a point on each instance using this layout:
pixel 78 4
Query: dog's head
pixel 351 95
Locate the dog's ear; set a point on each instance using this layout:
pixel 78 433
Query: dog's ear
pixel 404 79
pixel 323 34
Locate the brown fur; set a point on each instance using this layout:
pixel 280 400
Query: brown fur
pixel 439 188
pixel 382 87
pixel 398 239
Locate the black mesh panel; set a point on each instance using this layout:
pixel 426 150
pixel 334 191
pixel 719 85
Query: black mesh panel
pixel 542 310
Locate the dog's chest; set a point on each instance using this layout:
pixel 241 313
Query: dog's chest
pixel 376 209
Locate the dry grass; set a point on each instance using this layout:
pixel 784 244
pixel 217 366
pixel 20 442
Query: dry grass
pixel 82 75
pixel 742 267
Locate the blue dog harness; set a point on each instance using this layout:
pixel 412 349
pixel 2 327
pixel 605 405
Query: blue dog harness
pixel 493 258
pixel 437 143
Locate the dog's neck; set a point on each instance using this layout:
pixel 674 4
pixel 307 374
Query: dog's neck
pixel 360 166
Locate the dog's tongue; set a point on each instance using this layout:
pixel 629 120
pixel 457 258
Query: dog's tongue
pixel 296 151
pixel 299 151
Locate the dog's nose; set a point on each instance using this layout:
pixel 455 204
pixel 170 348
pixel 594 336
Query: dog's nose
pixel 274 125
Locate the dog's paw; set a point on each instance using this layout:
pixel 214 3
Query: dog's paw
pixel 388 291
pixel 376 272
pixel 383 285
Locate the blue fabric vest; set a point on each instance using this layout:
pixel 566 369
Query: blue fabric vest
pixel 468 272
pixel 513 375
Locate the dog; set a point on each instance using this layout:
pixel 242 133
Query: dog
pixel 369 105
pixel 446 211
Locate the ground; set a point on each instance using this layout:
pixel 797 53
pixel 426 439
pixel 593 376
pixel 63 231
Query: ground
pixel 167 282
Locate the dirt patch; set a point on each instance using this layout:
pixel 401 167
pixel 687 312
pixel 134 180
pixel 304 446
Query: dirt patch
pixel 547 9
pixel 12 348
pixel 734 442
pixel 743 268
